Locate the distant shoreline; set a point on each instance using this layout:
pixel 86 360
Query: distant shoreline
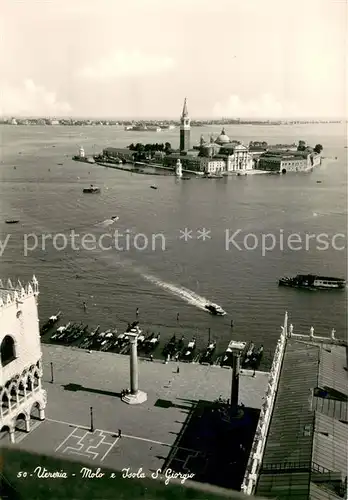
pixel 76 122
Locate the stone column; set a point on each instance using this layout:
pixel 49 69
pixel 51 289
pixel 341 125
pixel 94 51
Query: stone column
pixel 27 424
pixel 134 377
pixel 235 382
pixel 135 396
pixel 12 435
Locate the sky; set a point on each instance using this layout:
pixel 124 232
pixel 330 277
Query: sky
pixel 256 59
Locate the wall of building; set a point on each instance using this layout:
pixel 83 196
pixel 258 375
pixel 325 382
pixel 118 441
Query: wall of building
pixel 269 164
pixel 188 162
pixel 212 166
pixel 22 397
pixel 294 165
pixel 22 323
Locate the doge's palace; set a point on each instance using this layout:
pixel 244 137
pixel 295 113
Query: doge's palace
pixel 23 400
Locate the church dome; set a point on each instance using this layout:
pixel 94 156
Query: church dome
pixel 223 138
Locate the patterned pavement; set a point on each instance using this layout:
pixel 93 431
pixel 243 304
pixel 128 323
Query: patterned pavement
pixel 149 431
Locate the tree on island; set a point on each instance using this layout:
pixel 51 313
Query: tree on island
pixel 318 148
pixel 167 148
pixel 301 146
pixel 146 150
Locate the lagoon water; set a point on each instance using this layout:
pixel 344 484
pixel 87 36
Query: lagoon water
pixel 173 276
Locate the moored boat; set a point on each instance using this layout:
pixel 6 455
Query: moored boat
pixel 188 353
pixel 235 346
pixel 51 321
pixel 313 282
pixel 152 343
pixel 208 353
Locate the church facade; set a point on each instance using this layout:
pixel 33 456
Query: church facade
pixel 224 155
pixel 23 399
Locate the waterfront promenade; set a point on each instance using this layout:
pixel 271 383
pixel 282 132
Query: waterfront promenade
pixel 149 431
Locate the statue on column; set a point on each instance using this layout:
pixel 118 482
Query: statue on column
pixel 178 169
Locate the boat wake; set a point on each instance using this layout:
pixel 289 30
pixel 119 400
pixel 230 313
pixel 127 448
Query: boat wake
pixel 107 222
pixel 182 293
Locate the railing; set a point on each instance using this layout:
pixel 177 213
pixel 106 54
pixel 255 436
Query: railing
pixel 257 451
pixel 283 467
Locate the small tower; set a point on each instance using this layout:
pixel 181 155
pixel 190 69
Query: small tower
pixel 22 397
pixel 178 169
pixel 81 152
pixel 185 129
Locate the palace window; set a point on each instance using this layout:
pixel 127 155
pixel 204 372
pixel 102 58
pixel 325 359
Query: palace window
pixel 7 350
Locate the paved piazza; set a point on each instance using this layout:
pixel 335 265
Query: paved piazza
pixel 149 431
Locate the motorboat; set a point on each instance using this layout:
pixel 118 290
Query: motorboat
pixel 215 309
pixel 115 218
pixel 153 187
pixel 313 282
pixel 92 189
pixel 12 221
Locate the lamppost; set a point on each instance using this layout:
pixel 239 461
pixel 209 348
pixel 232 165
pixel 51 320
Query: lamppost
pixel 92 423
pixel 135 396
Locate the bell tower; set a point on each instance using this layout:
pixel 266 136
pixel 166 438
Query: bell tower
pixel 185 129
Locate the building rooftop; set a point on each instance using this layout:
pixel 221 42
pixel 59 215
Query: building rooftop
pixel 10 290
pixel 306 449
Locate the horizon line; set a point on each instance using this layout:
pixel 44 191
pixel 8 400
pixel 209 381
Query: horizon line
pixel 168 118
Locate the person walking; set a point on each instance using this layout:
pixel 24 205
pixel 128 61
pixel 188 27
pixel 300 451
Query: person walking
pixel 119 433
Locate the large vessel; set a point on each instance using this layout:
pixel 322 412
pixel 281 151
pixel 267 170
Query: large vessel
pixel 313 282
pixel 91 189
pixel 215 309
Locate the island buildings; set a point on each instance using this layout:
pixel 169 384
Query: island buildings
pixel 210 157
pixel 23 399
pixel 222 155
pixel 289 161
